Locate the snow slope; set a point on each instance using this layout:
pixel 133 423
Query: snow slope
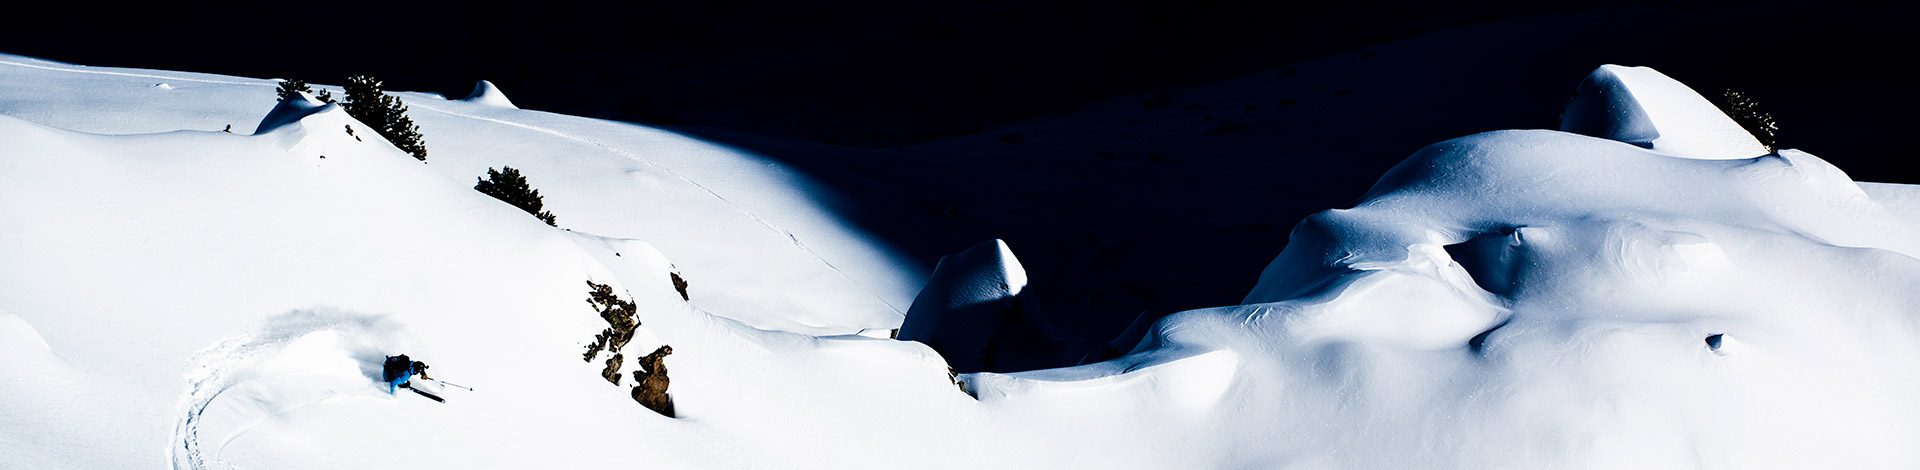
pixel 742 224
pixel 172 295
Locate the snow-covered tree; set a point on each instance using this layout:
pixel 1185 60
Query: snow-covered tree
pixel 387 115
pixel 509 186
pixel 290 87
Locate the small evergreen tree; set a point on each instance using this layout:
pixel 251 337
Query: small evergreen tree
pixel 509 186
pixel 288 88
pixel 387 115
pixel 1745 111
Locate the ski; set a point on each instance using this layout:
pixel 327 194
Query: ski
pixel 428 395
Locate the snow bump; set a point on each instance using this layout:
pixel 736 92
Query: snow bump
pixel 1641 106
pixel 486 93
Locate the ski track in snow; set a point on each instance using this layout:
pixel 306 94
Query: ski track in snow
pixel 74 69
pixel 212 372
pixel 716 195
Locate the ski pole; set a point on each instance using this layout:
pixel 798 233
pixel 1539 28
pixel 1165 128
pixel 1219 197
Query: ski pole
pixel 443 382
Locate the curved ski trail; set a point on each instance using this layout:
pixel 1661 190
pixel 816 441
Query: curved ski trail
pixel 212 371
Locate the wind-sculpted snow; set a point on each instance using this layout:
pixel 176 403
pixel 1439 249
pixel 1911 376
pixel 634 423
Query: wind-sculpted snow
pixel 1644 107
pixel 972 313
pixel 1538 299
pixel 1547 299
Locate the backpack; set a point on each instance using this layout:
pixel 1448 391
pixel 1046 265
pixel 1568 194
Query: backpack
pixel 398 367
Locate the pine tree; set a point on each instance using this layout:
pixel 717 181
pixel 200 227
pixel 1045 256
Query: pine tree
pixel 288 88
pixel 509 186
pixel 1745 111
pixel 387 115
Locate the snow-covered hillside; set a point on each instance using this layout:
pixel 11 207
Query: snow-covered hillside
pixel 176 295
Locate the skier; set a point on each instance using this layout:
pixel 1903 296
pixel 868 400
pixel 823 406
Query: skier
pixel 399 371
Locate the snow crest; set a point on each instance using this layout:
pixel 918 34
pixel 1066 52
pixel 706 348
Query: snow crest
pixel 291 111
pixel 485 93
pixel 1641 106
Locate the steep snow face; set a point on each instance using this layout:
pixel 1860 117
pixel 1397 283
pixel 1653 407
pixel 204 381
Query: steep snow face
pixel 1641 106
pixel 485 93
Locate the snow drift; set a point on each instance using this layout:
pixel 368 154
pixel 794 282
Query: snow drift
pixel 485 93
pixel 1654 294
pixel 1641 106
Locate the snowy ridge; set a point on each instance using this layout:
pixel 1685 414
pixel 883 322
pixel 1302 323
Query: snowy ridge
pixel 653 187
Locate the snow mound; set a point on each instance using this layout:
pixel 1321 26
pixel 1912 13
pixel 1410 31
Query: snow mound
pixel 485 93
pixel 1641 106
pixel 291 111
pixel 987 272
pixel 307 127
pixel 972 313
pixel 953 313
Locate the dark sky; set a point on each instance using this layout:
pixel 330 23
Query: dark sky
pixel 877 73
pixel 865 73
